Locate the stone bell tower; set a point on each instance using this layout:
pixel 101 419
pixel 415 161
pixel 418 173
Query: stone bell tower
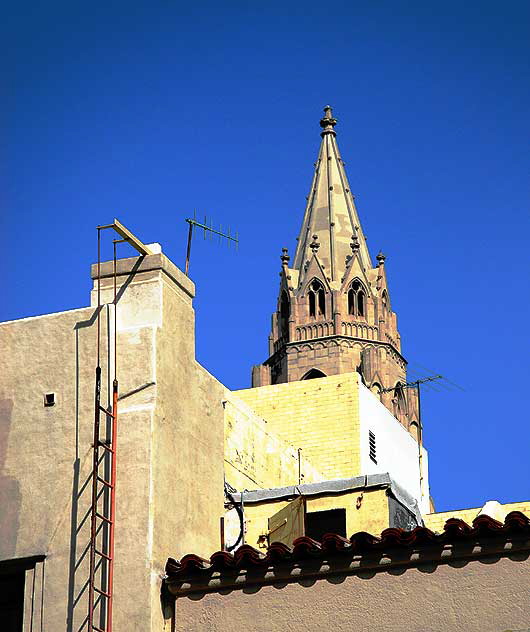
pixel 334 313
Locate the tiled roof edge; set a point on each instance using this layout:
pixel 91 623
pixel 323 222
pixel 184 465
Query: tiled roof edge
pixel 192 569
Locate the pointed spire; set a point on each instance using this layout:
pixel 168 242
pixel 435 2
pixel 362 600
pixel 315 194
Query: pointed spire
pixel 330 212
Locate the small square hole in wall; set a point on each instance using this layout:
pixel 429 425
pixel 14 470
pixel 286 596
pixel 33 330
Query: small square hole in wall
pixel 49 399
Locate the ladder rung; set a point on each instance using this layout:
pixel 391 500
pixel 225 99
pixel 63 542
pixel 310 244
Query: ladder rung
pixel 107 557
pixel 101 517
pixel 106 445
pixel 102 480
pixel 102 592
pixel 104 410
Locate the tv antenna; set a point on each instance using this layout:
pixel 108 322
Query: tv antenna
pixel 416 384
pixel 207 229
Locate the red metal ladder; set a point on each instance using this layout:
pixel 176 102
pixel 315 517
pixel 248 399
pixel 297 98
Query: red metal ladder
pixel 103 514
pixel 103 509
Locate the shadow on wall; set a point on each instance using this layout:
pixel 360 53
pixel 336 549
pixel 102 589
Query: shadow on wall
pixel 10 496
pixel 80 517
pixel 81 502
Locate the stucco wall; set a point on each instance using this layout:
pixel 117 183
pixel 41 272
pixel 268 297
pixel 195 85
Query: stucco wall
pixel 487 596
pixel 170 445
pixel 396 449
pixel 47 459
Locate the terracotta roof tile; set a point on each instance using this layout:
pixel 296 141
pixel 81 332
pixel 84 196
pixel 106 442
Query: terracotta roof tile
pixel 304 548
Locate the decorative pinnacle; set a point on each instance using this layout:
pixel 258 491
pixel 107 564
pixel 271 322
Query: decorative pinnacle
pixel 314 245
pixel 284 257
pixel 381 258
pixel 328 122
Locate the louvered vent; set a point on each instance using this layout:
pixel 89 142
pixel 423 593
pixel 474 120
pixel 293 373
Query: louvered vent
pixel 371 439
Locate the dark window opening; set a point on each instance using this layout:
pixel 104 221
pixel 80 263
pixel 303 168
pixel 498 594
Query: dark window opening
pixel 360 303
pixel 371 446
pixel 376 389
pixel 318 523
pixel 384 300
pixel 414 429
pixel 12 600
pixel 312 374
pixel 49 399
pixel 400 399
pixel 351 302
pixel 285 312
pixel 321 303
pixel 356 299
pixel 312 307
pixel 317 300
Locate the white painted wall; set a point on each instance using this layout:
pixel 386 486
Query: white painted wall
pixel 397 450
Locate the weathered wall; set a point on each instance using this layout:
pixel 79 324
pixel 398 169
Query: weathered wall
pixel 256 458
pixel 436 521
pixel 321 416
pixel 490 596
pixel 366 510
pixel 170 445
pixel 330 418
pixel 187 484
pixel 47 460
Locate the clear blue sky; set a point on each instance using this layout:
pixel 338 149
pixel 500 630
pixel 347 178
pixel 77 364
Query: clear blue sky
pixel 147 110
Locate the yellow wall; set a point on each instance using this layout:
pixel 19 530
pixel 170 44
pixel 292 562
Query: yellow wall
pixel 254 457
pixel 372 515
pixel 321 416
pixel 436 521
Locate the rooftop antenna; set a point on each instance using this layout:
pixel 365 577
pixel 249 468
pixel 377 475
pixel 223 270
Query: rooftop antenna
pixel 416 384
pixel 207 229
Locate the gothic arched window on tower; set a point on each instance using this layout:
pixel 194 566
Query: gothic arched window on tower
pixel 317 299
pixel 360 303
pixel 356 299
pixel 376 389
pixel 414 430
pixel 384 300
pixel 312 374
pixel 285 312
pixel 400 400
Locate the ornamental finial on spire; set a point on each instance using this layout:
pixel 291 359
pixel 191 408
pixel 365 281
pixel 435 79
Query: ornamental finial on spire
pixel 314 245
pixel 285 257
pixel 328 122
pixel 381 258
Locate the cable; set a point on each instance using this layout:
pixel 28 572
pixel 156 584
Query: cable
pixel 239 508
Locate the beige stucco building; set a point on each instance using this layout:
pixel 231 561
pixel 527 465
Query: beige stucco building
pixel 261 475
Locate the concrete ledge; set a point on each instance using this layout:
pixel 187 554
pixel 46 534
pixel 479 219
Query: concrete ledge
pixel 134 265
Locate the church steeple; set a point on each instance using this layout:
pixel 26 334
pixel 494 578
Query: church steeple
pixel 334 312
pixel 330 211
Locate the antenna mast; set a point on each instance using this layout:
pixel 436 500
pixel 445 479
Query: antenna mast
pixel 416 384
pixel 193 222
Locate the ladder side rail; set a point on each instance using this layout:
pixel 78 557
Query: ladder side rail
pixel 93 516
pixel 112 516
